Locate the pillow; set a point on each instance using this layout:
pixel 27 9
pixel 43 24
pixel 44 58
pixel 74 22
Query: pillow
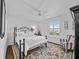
pixel 23 34
pixel 19 33
pixel 28 33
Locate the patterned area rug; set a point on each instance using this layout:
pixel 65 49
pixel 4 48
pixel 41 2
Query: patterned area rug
pixel 52 51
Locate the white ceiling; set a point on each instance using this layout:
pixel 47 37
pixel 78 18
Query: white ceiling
pixel 29 9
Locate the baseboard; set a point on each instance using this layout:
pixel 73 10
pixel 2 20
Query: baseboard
pixel 54 43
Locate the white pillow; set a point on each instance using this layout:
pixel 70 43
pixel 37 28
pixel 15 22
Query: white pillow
pixel 28 33
pixel 20 34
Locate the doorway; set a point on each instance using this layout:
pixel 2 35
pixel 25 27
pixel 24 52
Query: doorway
pixel 75 14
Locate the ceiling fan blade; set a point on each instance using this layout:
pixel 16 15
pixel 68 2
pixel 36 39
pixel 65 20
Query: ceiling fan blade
pixel 32 7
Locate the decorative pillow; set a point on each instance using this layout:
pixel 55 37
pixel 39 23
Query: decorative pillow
pixel 20 34
pixel 29 33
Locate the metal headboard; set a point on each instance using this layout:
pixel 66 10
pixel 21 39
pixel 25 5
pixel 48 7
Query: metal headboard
pixel 23 28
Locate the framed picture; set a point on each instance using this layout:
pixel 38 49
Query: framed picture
pixel 66 25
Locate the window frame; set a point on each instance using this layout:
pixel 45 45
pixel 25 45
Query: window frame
pixel 52 27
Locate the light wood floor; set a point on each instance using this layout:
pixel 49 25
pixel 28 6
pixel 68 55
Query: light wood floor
pixel 9 54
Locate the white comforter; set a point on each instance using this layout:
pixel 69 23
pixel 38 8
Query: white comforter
pixel 31 42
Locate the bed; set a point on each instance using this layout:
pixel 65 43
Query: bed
pixel 30 41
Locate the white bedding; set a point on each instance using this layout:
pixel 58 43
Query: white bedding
pixel 31 42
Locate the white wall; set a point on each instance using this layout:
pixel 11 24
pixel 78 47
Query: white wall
pixel 3 47
pixel 44 27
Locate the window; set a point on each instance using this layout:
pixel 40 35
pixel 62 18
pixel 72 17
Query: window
pixel 55 27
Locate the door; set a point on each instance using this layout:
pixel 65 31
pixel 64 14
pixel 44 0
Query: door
pixel 75 11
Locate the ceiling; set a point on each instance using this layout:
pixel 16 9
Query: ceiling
pixel 38 10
